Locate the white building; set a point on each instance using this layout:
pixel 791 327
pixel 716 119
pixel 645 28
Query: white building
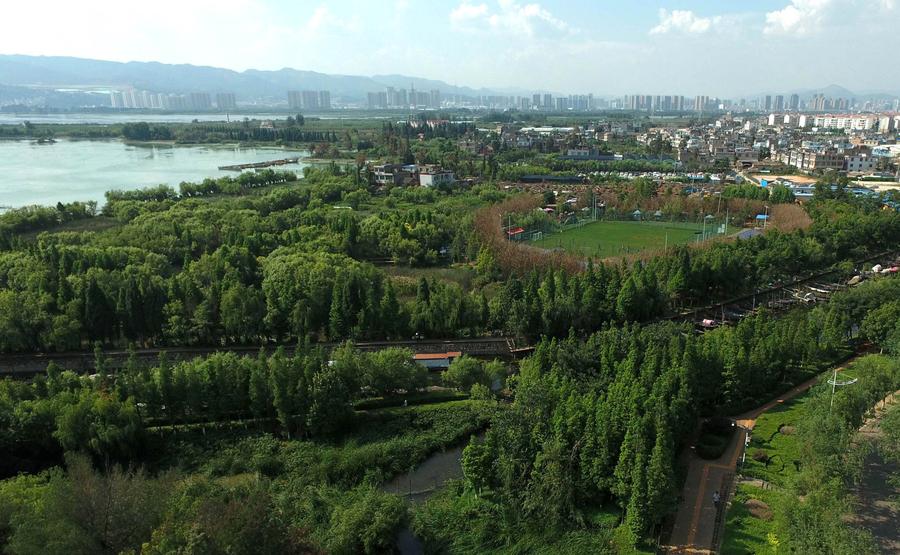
pixel 859 163
pixel 430 176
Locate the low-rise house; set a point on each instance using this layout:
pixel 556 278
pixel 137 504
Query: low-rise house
pixel 436 361
pixel 434 176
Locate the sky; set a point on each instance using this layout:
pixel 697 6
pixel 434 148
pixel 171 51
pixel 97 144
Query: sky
pixel 722 48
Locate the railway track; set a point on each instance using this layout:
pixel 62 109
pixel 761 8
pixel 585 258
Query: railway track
pixel 807 290
pixel 29 364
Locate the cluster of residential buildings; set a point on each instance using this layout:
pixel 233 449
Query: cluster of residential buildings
pixel 145 100
pixel 884 123
pixel 767 103
pixel 424 175
pixel 867 143
pixel 392 98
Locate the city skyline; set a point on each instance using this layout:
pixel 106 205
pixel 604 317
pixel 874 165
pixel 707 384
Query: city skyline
pixel 775 45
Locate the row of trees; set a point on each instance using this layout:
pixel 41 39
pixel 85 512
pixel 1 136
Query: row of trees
pixel 307 394
pixel 32 218
pixel 223 185
pixel 778 194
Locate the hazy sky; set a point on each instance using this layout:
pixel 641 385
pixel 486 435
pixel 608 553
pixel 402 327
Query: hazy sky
pixel 722 47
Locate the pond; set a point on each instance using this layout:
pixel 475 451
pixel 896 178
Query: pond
pixel 417 485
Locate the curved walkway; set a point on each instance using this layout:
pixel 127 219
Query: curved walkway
pixel 698 521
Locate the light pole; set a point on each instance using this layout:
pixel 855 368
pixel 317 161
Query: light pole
pixel 835 384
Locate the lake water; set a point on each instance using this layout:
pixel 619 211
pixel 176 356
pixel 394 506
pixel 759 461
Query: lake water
pixel 84 170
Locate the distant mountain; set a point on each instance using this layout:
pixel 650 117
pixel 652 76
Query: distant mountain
pixel 60 71
pixel 834 91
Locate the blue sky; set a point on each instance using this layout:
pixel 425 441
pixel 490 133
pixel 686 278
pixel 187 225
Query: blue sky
pixel 724 47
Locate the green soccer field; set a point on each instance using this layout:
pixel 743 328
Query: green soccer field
pixel 604 239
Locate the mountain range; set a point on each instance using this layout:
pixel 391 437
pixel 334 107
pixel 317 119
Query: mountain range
pixel 23 76
pixel 61 71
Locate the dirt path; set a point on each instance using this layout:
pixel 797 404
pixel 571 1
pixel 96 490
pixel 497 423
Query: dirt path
pixel 698 522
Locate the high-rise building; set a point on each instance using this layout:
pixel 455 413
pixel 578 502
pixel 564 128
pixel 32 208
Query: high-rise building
pixel 779 103
pixel 295 100
pixel 116 99
pixel 435 98
pixel 768 105
pixel 548 101
pixel 225 101
pixel 377 100
pixel 795 102
pixel 325 100
pixel 536 100
pixel 310 100
pixel 200 101
pixel 701 103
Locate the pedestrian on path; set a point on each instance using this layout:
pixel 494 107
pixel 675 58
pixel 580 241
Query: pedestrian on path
pixel 716 498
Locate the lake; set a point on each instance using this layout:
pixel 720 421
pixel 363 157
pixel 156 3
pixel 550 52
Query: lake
pixel 84 170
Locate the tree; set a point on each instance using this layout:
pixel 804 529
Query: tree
pixel 464 372
pixel 329 402
pixel 86 511
pixel 390 370
pixel 100 425
pixel 283 384
pixel 661 493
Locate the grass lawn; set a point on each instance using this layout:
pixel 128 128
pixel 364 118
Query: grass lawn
pixel 774 434
pixel 406 279
pixel 747 526
pixel 749 519
pixel 610 238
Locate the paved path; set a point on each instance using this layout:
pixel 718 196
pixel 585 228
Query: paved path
pixel 698 522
